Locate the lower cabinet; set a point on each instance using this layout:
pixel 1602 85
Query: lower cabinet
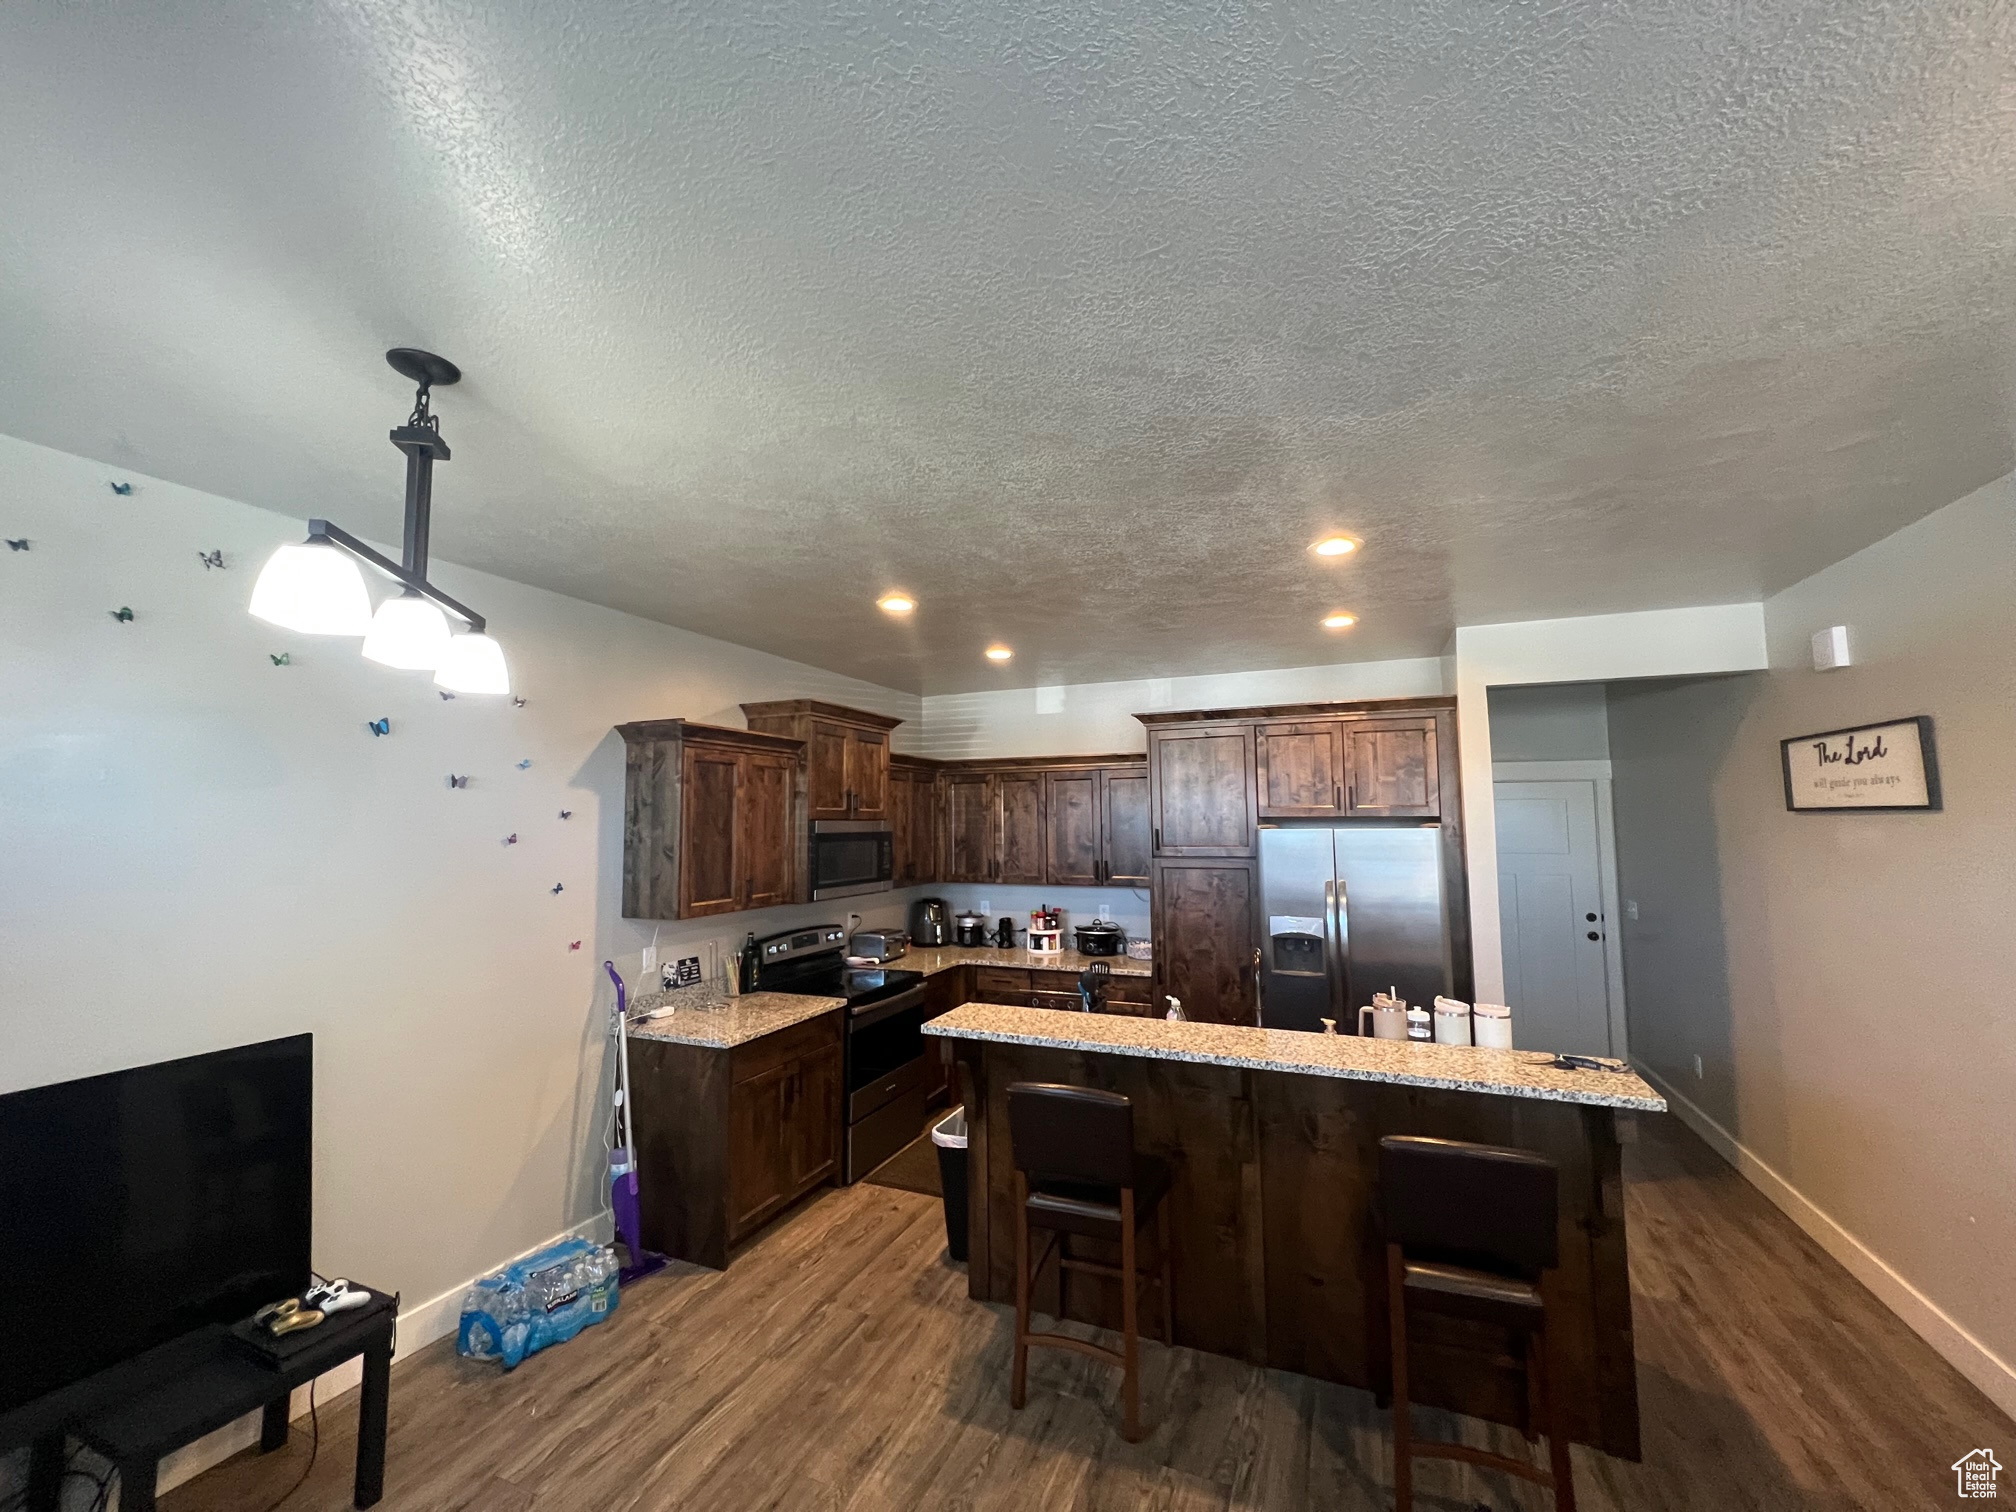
pixel 1017 988
pixel 943 991
pixel 728 1138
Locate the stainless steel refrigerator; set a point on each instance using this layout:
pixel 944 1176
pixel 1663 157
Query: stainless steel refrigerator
pixel 1350 910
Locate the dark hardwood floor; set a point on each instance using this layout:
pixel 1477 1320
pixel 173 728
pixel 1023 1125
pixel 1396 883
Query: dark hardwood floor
pixel 840 1365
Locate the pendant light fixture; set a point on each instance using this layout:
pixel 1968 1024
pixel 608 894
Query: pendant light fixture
pixel 316 587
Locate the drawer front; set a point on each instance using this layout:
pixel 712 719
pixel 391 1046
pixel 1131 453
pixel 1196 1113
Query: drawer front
pixel 1053 981
pixel 1064 1002
pixel 759 1056
pixel 993 984
pixel 1130 990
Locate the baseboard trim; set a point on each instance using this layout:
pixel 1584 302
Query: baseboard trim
pixel 420 1324
pixel 1975 1360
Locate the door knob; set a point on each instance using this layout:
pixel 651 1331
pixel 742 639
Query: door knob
pixel 1594 936
pixel 1590 917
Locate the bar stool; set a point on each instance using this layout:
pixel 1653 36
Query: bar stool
pixel 1470 1230
pixel 1076 1172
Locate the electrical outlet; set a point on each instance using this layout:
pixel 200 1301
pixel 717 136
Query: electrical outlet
pixel 1631 909
pixel 1106 911
pixel 1697 1068
pixel 650 962
pixel 986 907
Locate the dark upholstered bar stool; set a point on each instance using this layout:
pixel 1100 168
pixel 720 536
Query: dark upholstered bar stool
pixel 1470 1229
pixel 1076 1173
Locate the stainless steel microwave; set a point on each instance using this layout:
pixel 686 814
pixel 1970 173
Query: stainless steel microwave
pixel 851 856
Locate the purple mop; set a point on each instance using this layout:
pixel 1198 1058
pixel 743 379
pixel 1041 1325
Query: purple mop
pixel 622 1171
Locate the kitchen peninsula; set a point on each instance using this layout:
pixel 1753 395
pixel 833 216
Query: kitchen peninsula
pixel 1271 1138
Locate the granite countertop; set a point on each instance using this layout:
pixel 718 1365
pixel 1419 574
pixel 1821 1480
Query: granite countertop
pixel 708 1016
pixel 928 959
pixel 1461 1068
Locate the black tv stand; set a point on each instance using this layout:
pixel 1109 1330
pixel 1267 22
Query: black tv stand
pixel 210 1382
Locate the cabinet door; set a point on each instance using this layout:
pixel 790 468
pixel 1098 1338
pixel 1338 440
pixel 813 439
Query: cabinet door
pixel 868 773
pixel 768 859
pixel 1301 768
pixel 1390 767
pixel 1204 939
pixel 1020 806
pixel 902 831
pixel 758 1164
pixel 710 873
pixel 1071 828
pixel 924 826
pixel 969 828
pixel 999 984
pixel 826 771
pixel 1123 812
pixel 1202 791
pixel 812 1120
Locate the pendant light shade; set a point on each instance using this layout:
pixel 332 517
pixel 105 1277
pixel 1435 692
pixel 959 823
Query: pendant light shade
pixel 314 589
pixel 473 663
pixel 408 633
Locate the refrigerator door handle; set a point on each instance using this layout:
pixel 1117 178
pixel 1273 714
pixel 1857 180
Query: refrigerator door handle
pixel 1338 926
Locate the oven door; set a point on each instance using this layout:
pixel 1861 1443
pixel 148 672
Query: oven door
pixel 886 1076
pixel 850 857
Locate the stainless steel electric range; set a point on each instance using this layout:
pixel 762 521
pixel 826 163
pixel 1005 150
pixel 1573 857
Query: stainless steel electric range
pixel 884 1064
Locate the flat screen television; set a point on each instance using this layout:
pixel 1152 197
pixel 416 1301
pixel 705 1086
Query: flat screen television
pixel 141 1205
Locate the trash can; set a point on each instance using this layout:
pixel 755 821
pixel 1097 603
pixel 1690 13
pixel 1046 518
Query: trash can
pixel 949 1135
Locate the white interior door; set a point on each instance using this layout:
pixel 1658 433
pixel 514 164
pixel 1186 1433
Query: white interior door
pixel 1550 904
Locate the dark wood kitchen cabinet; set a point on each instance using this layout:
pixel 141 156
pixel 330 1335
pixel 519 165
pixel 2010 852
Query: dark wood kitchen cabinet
pixel 913 819
pixel 710 819
pixel 846 754
pixel 1096 830
pixel 1018 807
pixel 1299 766
pixel 1200 787
pixel 967 812
pixel 1205 937
pixel 1392 769
pixel 729 1138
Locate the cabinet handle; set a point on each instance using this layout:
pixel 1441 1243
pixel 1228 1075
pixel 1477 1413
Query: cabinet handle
pixel 1351 796
pixel 1339 800
pixel 1158 837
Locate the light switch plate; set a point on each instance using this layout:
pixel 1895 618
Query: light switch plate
pixel 650 961
pixel 1830 648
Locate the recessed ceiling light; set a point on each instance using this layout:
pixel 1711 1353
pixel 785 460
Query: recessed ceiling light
pixel 1335 546
pixel 1339 621
pixel 999 653
pixel 895 603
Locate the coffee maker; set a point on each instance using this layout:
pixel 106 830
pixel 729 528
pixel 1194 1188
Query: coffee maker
pixel 930 922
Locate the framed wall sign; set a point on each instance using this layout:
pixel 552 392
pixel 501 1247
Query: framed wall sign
pixel 1881 766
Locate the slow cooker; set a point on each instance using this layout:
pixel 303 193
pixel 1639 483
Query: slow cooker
pixel 1101 937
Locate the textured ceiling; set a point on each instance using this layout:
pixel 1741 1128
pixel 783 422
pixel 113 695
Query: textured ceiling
pixel 1077 320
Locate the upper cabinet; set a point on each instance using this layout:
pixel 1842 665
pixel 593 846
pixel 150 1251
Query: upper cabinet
pixel 913 819
pixel 966 846
pixel 1301 768
pixel 1392 768
pixel 1018 809
pixel 847 754
pixel 1201 789
pixel 709 819
pixel 1124 827
pixel 1095 826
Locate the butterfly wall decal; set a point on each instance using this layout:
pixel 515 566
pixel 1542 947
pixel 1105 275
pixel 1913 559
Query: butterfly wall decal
pixel 457 782
pixel 121 614
pixel 517 703
pixel 379 726
pixel 210 559
pixel 122 489
pixel 523 765
pixel 20 545
pixel 559 887
pixel 575 946
pixel 284 659
pixel 445 694
pixel 512 838
pixel 566 813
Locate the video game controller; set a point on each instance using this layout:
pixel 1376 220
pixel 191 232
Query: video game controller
pixel 335 1296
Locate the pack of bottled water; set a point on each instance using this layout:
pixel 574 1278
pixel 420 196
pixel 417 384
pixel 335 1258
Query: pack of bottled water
pixel 544 1299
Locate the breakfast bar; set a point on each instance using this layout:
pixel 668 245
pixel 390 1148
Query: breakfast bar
pixel 1271 1139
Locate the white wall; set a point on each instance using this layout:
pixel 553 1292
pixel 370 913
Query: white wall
pixel 1590 649
pixel 1844 977
pixel 203 849
pixel 1092 719
pixel 1550 722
